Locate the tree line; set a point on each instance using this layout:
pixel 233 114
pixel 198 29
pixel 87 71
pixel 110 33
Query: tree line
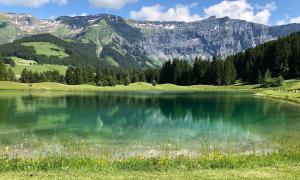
pixel 28 76
pixel 179 72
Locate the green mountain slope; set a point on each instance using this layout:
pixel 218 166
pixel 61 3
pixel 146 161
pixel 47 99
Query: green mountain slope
pixel 48 49
pixel 114 40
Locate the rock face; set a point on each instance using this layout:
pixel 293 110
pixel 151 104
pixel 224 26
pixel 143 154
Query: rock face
pixel 129 43
pixel 213 36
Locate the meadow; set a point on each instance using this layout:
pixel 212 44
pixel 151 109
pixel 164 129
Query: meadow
pixel 47 49
pixel 21 64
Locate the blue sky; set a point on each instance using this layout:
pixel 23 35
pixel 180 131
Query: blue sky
pixel 261 11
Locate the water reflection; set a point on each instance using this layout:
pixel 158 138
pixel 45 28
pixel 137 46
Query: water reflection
pixel 147 118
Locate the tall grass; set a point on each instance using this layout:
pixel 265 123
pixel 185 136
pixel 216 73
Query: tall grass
pixel 214 160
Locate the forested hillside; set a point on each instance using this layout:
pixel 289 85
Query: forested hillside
pixel 281 57
pixel 77 54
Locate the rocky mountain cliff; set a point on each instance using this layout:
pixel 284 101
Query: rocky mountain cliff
pixel 130 43
pixel 213 36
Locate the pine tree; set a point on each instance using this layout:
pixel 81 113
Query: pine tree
pixel 70 76
pixel 126 79
pixel 217 70
pixel 167 73
pixel 267 75
pixel 25 76
pixel 282 55
pixel 87 75
pixel 11 75
pixel 3 71
pixel 259 78
pixel 78 78
pixel 197 71
pixel 295 57
pixel 229 76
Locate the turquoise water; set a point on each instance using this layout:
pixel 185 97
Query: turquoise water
pixel 128 124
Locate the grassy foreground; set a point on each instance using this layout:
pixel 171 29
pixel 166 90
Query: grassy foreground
pixel 280 165
pixel 257 173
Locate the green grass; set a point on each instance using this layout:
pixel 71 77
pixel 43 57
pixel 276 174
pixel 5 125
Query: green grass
pixel 259 173
pixel 290 91
pixel 285 164
pixel 46 49
pixel 287 92
pixel 21 64
pixel 4 85
pixel 291 96
pixel 111 61
pixel 20 61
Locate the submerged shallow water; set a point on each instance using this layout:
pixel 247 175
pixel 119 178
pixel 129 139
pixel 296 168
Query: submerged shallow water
pixel 148 124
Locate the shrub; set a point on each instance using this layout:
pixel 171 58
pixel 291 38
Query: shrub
pixel 153 83
pixel 272 82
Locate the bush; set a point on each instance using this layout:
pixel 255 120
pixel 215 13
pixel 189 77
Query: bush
pixel 153 83
pixel 272 82
pixel 126 81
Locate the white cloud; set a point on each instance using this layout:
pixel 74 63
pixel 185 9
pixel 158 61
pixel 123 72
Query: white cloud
pixel 287 20
pixel 271 6
pixel 236 9
pixel 111 4
pixel 157 13
pixel 74 15
pixel 241 9
pixel 280 22
pixel 32 3
pixel 295 20
pixel 61 2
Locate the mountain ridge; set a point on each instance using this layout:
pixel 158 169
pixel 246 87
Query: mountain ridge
pixel 138 44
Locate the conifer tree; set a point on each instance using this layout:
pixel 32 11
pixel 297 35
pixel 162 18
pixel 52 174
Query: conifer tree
pixel 3 71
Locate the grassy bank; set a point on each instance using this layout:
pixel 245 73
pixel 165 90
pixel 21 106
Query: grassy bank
pixel 214 165
pixel 290 91
pixel 4 85
pixel 282 95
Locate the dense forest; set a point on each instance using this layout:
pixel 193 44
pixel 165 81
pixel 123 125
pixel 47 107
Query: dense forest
pixel 279 57
pixel 266 64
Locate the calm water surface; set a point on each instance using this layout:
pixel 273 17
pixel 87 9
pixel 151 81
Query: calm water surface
pixel 149 124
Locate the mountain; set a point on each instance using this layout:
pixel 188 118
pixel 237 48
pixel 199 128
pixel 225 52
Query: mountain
pixel 49 49
pixel 139 44
pixel 213 36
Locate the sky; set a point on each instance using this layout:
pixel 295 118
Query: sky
pixel 269 12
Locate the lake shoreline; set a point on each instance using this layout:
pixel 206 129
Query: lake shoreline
pixel 290 96
pixel 134 87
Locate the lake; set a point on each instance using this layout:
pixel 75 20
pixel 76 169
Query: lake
pixel 119 125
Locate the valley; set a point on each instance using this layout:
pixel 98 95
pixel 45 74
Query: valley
pixel 110 97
